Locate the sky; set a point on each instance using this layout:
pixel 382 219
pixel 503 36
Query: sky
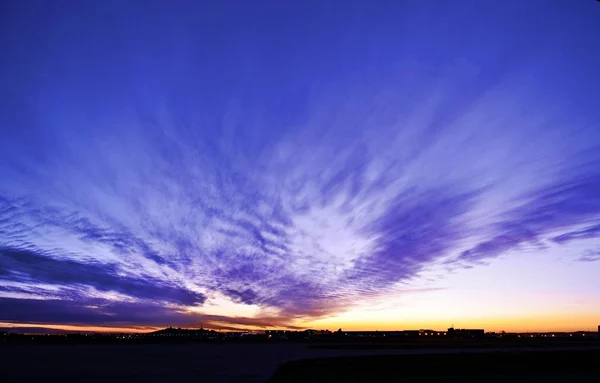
pixel 300 164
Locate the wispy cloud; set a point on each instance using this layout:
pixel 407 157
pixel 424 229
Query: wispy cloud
pixel 590 256
pixel 153 188
pixel 571 202
pixel 27 266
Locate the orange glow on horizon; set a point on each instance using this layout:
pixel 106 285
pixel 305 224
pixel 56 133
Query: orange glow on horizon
pixel 521 325
pixel 565 323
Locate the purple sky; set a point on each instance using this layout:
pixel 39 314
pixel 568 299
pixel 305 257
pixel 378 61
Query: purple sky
pixel 372 164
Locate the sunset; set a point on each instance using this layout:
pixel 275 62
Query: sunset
pixel 251 166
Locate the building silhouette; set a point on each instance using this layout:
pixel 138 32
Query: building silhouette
pixel 465 333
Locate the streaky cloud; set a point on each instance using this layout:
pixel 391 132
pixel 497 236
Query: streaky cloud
pixel 285 164
pixel 26 266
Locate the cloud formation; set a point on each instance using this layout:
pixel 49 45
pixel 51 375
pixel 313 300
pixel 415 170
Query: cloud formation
pixel 178 178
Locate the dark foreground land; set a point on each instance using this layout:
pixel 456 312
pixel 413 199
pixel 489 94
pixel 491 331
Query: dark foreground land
pixel 294 362
pixel 531 366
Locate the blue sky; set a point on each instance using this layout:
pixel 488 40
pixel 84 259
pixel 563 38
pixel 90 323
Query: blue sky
pixel 253 164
